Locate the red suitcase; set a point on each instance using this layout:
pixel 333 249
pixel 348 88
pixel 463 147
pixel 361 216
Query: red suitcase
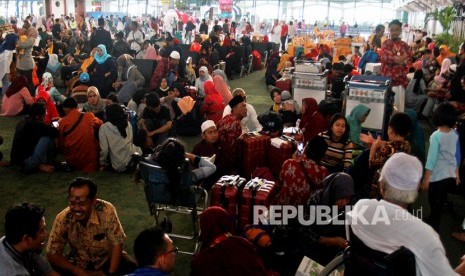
pixel 254 153
pixel 257 191
pixel 284 84
pixel 226 193
pixel 280 150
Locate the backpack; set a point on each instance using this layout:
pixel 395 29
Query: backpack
pixel 271 121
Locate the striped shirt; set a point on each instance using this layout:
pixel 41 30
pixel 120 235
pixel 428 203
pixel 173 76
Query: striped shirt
pixel 337 152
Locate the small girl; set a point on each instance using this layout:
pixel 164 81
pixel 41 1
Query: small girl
pixel 442 165
pixel 339 153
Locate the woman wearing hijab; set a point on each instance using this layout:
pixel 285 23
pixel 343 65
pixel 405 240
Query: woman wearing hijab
pixel 25 62
pixel 200 81
pixel 271 74
pixel 444 53
pixel 221 252
pixel 44 97
pixel 115 137
pixel 301 175
pixel 220 73
pixel 282 62
pixel 6 57
pixel 223 89
pixel 152 53
pixel 95 103
pixel 212 107
pixel 416 136
pixel 47 83
pixel 17 99
pixel 322 242
pixel 311 120
pixel 415 93
pixel 54 68
pixel 102 71
pixel 355 120
pixel 129 79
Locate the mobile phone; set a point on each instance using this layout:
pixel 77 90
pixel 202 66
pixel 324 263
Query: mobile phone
pixel 300 148
pixel 55 124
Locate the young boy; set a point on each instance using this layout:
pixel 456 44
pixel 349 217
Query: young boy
pixel 442 165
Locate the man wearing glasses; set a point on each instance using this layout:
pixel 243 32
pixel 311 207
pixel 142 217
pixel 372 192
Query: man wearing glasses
pixel 154 252
pixel 93 231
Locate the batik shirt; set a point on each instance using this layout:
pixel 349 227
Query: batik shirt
pixel 229 131
pixel 91 245
pixel 391 69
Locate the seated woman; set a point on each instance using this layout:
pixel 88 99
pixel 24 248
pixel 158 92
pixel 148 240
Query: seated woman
pixel 44 97
pixel 222 87
pixel 187 117
pixel 176 176
pixel 311 120
pixel 163 89
pixel 129 79
pixel 271 74
pixel 415 93
pixel 222 250
pixel 323 242
pixel 338 156
pixel 204 56
pixel 290 110
pixel 102 71
pixel 17 99
pixel 416 137
pixel 233 59
pixel 137 103
pixel 54 68
pixel 355 119
pixel 219 72
pixel 95 103
pixel 197 44
pixel 115 138
pixel 212 107
pixel 200 82
pixel 371 160
pixel 301 175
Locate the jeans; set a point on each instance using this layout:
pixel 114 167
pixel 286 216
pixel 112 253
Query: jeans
pixel 44 152
pixel 283 43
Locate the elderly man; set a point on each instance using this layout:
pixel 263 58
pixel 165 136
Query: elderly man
pixel 94 233
pixel 386 225
pixel 155 253
pixel 249 122
pixel 167 67
pixel 24 238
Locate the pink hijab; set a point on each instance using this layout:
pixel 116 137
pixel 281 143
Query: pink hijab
pixel 152 53
pixel 222 88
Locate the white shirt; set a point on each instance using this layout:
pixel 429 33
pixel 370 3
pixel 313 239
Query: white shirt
pixel 139 39
pixel 249 122
pixel 404 230
pixel 5 60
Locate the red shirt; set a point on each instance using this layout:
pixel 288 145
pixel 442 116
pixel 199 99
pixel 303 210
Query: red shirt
pixel 284 29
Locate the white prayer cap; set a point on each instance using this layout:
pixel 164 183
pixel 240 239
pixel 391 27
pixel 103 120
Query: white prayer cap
pixel 402 172
pixel 206 125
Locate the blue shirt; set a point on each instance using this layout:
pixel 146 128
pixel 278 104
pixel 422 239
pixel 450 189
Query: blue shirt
pixel 148 271
pixel 443 155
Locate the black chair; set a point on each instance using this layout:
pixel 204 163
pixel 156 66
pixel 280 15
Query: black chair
pixel 359 259
pixel 146 67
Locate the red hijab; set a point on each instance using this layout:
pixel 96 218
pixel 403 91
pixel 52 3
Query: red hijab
pixel 312 122
pixel 18 83
pixel 213 104
pixel 50 107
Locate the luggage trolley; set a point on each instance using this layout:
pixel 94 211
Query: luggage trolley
pixel 374 92
pixel 309 82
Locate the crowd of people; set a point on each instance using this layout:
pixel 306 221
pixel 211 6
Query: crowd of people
pixel 125 114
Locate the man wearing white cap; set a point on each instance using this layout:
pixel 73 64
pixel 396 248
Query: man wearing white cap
pixel 210 146
pixel 167 67
pixel 386 225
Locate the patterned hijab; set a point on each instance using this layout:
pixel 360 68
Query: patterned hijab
pixel 101 104
pixel 47 80
pixel 53 63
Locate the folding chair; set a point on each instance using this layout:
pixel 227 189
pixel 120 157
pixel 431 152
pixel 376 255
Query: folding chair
pixel 265 59
pixel 161 200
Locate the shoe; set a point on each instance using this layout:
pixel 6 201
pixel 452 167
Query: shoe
pixel 459 236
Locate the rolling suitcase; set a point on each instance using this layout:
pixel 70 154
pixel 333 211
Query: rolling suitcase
pixel 280 150
pixel 375 92
pixel 256 192
pixel 226 193
pixel 254 152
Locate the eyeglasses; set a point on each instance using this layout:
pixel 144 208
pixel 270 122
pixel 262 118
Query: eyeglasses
pixel 175 250
pixel 76 200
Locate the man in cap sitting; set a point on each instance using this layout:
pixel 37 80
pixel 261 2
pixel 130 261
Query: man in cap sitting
pixel 230 129
pixel 386 225
pixel 167 67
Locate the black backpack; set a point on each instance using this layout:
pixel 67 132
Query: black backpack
pixel 271 121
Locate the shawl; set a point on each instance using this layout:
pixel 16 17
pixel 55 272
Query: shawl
pixel 152 53
pixel 101 59
pixel 222 88
pixel 18 83
pixel 220 73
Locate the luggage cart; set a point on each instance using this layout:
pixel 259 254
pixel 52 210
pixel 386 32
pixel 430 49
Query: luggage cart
pixel 310 85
